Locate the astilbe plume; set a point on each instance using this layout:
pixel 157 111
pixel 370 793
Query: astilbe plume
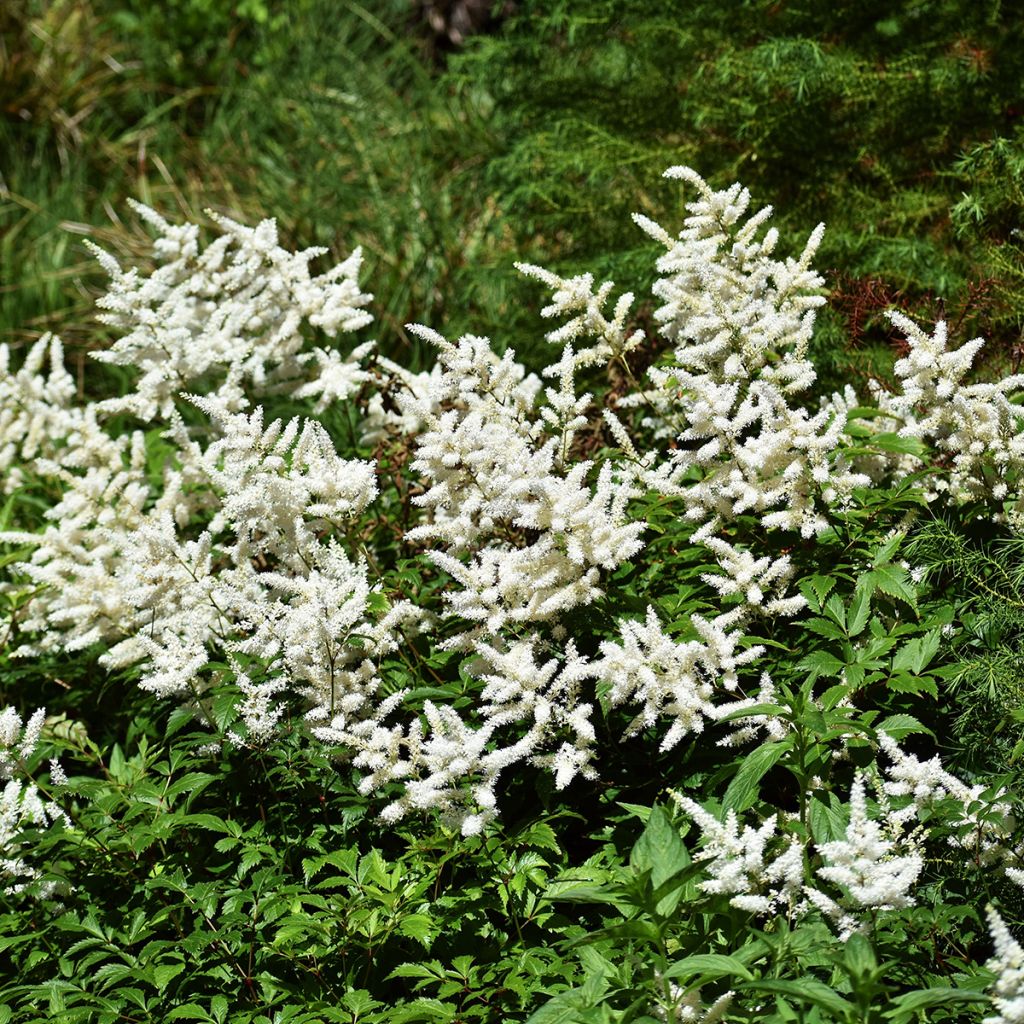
pixel 502 494
pixel 1008 967
pixel 979 824
pixel 257 581
pixel 230 315
pixel 36 411
pixel 736 861
pixel 871 868
pixel 241 549
pixel 22 806
pixel 874 865
pixel 452 766
pixel 525 535
pixel 686 1007
pixel 740 321
pixel 73 562
pixel 976 429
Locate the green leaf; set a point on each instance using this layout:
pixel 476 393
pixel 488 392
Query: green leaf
pixel 562 1009
pixel 898 726
pixel 164 974
pixel 821 663
pixel 898 445
pixel 859 957
pixel 903 682
pixel 417 926
pixel 219 1006
pixel 816 589
pixel 745 784
pixel 891 580
pixel 659 849
pixel 212 823
pixel 708 965
pixel 192 782
pixel 433 970
pixel 805 990
pixel 860 611
pixel 911 1003
pixel 825 628
pixel 189 1011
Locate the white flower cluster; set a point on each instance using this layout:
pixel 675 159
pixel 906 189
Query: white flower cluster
pixel 740 322
pixel 977 428
pixel 1008 967
pixel 74 562
pixel 671 679
pixel 445 763
pixel 524 532
pixel 241 548
pixel 22 806
pixel 872 868
pixel 877 861
pixel 978 826
pixel 867 866
pixel 576 298
pixel 686 1007
pixel 736 862
pixel 258 581
pixel 36 413
pixel 230 315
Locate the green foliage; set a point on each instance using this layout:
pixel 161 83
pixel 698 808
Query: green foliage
pixel 855 114
pixel 260 886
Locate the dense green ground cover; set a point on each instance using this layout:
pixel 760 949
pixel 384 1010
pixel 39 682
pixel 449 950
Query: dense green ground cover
pixel 261 885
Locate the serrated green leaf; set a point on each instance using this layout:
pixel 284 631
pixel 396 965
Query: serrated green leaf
pixel 709 966
pixel 745 784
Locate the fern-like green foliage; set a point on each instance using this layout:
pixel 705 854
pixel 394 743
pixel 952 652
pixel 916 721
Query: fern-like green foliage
pixel 854 113
pixel 984 578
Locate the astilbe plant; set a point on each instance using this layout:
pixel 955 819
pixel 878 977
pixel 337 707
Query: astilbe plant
pixel 217 546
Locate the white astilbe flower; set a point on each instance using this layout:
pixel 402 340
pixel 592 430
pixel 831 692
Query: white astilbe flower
pixel 18 739
pixel 449 765
pixel 36 412
pixel 258 580
pixel 1008 966
pixel 867 865
pixel 576 299
pixel 736 860
pixel 670 679
pixel 74 560
pixel 524 535
pixel 686 1007
pixel 236 308
pixel 733 305
pixel 271 477
pixel 319 627
pixel 383 417
pixel 754 579
pixel 980 826
pixel 975 426
pixel 741 321
pixel 768 727
pixel 872 868
pixel 337 378
pixel 22 806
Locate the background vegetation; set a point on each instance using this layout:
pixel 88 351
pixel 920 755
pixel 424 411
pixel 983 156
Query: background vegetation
pixel 900 125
